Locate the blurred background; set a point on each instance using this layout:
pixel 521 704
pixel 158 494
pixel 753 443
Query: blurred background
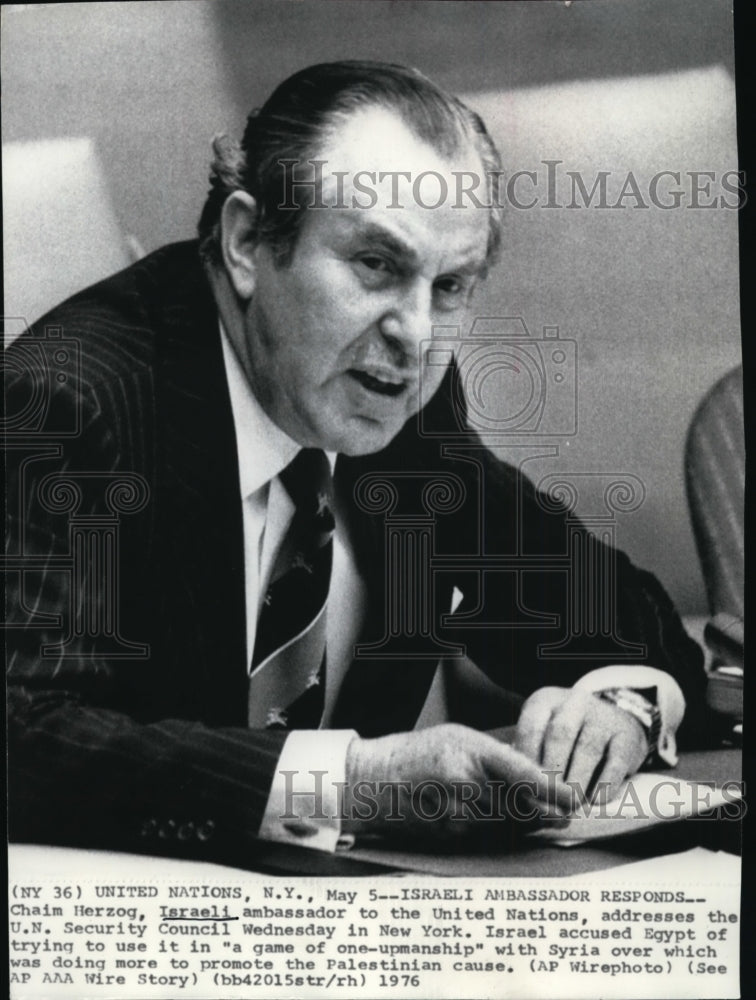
pixel 122 100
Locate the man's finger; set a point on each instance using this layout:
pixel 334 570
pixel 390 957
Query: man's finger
pixel 532 724
pixel 562 735
pixel 620 761
pixel 587 758
pixel 505 763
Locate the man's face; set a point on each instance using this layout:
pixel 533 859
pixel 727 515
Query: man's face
pixel 335 337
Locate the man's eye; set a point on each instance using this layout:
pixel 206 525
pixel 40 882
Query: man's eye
pixel 373 270
pixel 451 293
pixel 374 263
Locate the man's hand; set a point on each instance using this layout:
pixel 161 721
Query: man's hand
pixel 590 743
pixel 442 783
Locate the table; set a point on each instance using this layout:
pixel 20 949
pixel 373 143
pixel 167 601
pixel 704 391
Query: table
pixel 529 859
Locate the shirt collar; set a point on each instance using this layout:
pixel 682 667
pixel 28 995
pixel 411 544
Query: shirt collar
pixel 264 450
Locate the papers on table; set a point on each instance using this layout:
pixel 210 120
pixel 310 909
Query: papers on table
pixel 710 867
pixel 644 801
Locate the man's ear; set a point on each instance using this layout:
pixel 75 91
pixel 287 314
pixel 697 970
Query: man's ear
pixel 238 231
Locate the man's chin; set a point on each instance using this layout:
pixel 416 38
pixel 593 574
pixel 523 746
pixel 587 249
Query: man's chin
pixel 363 437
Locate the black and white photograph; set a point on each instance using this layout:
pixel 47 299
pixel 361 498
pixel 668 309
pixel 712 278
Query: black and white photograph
pixel 375 498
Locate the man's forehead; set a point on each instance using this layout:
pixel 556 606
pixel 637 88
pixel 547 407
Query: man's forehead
pixel 380 183
pixel 378 140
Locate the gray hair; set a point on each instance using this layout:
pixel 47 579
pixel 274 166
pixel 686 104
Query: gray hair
pixel 294 123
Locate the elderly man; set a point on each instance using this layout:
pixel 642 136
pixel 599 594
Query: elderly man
pixel 224 671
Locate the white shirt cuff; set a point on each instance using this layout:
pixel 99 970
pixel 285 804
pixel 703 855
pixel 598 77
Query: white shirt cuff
pixel 304 804
pixel 669 698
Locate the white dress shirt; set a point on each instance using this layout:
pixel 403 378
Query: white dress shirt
pixel 264 451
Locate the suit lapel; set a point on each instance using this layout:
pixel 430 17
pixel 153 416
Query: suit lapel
pixel 201 518
pixel 384 695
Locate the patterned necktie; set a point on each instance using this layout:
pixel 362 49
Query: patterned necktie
pixel 287 680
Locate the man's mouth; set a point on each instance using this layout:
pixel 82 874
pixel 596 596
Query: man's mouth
pixel 383 382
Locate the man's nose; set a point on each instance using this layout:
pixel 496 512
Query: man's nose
pixel 407 324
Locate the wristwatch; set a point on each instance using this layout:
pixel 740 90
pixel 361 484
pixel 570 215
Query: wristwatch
pixel 641 708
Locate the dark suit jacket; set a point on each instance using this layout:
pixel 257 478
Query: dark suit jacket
pixel 114 744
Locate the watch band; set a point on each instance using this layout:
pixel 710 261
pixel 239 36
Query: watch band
pixel 641 708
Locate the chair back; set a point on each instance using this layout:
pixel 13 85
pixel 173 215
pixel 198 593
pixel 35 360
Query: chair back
pixel 715 481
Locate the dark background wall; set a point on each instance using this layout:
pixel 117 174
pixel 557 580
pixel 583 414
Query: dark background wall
pixel 649 296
